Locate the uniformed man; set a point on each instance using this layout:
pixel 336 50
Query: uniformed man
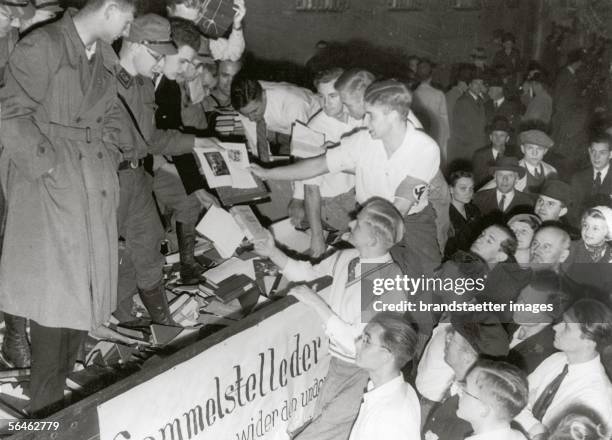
pixel 60 131
pixel 142 56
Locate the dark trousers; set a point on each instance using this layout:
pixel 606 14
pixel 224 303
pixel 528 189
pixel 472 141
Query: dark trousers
pixel 418 252
pixel 54 352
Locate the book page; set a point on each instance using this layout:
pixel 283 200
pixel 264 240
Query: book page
pixel 219 226
pixel 306 142
pixel 238 162
pixel 214 166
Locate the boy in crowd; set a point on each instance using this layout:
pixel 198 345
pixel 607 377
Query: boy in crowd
pixel 492 394
pixel 484 158
pixel 593 184
pixel 328 199
pixel 383 159
pixel 390 407
pixel 532 333
pixel 267 112
pixel 377 228
pixel 553 201
pixel 534 145
pixel 504 198
pixel 575 375
pixel 457 345
pixel 61 134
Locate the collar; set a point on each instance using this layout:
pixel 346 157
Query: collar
pixel 382 259
pixel 474 96
pixel 500 101
pixel 584 367
pixel 499 195
pixel 532 170
pixel 385 390
pixel 603 172
pixel 571 69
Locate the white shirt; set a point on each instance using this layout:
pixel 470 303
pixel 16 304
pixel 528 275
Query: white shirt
pixel 529 331
pixel 495 153
pixel 345 325
pixel 434 375
pixel 389 412
pixel 507 201
pixel 331 184
pixel 497 103
pixel 285 104
pixel 498 434
pixel 90 51
pixel 376 174
pixel 603 172
pixel 585 384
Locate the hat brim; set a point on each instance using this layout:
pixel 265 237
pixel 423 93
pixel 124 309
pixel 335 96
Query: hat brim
pixel 164 49
pixel 51 8
pixel 520 170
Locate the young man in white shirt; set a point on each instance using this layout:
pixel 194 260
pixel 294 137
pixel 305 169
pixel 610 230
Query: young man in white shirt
pixel 574 376
pixel 390 408
pixel 377 228
pixel 327 199
pixel 492 394
pixel 391 160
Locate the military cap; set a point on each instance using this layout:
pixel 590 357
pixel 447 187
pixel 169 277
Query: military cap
pixel 153 31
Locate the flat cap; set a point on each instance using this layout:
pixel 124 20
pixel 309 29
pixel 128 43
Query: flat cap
pixel 536 137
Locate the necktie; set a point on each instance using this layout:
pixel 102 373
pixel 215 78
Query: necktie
pixel 502 202
pixel 538 171
pixel 352 266
pixel 545 399
pixel 598 179
pixel 263 148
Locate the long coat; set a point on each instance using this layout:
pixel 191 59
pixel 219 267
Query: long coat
pixel 468 129
pixel 59 259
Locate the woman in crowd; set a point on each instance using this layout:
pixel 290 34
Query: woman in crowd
pixel 463 213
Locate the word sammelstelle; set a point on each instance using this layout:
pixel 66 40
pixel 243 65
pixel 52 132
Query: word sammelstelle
pixel 486 306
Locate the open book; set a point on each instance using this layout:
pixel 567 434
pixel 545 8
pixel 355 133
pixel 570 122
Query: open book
pixel 227 229
pixel 226 168
pixel 306 142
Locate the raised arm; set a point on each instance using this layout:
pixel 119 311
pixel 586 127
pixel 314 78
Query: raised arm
pixel 304 169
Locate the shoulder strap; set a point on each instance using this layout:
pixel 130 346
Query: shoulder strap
pixel 132 117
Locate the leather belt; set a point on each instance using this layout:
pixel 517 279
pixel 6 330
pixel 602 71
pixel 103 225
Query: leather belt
pixel 131 164
pixel 83 134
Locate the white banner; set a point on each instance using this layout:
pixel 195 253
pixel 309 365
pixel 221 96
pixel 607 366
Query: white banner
pixel 257 384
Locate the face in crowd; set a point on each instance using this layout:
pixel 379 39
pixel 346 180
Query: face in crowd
pixel 330 97
pixel 117 19
pixel 505 180
pixel 176 66
pixel 549 209
pixel 550 247
pixel 463 190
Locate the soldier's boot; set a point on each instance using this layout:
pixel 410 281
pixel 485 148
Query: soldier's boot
pixel 156 303
pixel 15 346
pixel 191 271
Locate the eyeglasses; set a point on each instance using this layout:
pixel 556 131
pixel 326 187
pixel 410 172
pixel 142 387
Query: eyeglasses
pixel 155 55
pixel 367 341
pixel 462 389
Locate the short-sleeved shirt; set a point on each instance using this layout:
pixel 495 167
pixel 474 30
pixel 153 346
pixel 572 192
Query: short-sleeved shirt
pixel 331 184
pixel 377 174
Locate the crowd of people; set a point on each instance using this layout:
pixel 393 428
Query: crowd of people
pixel 504 180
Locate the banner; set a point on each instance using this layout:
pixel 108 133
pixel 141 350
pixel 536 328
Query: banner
pixel 257 384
